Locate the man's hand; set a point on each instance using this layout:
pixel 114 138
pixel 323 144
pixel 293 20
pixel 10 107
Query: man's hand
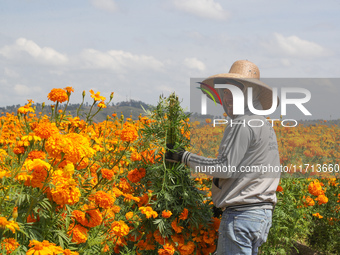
pixel 173 155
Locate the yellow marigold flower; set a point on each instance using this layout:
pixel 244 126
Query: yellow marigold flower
pixel 129 215
pixel 102 104
pixel 116 192
pixel 59 95
pixel 119 228
pixel 103 199
pixel 148 212
pixel 25 109
pixel 44 247
pixel 168 249
pixel 97 96
pixel 166 214
pixel 11 225
pixel 318 215
pixel 78 232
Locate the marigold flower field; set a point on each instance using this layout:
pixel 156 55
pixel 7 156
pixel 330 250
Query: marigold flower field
pixel 71 186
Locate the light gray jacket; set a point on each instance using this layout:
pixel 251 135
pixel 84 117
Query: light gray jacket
pixel 253 159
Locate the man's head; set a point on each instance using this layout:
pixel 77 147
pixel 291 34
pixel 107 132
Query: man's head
pixel 227 100
pixel 242 74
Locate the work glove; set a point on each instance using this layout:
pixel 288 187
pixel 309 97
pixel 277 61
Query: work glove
pixel 173 155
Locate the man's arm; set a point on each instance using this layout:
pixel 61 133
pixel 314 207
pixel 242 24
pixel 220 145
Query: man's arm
pixel 235 148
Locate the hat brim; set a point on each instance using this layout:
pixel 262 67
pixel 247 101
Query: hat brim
pixel 266 94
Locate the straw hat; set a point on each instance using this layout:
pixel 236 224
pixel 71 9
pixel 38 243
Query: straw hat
pixel 246 73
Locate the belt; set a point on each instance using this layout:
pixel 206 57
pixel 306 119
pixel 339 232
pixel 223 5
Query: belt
pixel 245 206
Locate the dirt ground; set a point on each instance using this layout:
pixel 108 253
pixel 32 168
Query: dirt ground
pixel 303 250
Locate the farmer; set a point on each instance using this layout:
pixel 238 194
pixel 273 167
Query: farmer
pixel 246 190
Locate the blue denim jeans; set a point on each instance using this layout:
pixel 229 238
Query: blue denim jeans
pixel 243 232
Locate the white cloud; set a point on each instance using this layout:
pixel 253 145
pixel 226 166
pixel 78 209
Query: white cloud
pixel 194 63
pixel 25 90
pixel 10 73
pixel 119 60
pixel 295 47
pixel 202 8
pixel 106 5
pixel 44 55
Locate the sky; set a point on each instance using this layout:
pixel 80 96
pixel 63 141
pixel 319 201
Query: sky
pixel 143 49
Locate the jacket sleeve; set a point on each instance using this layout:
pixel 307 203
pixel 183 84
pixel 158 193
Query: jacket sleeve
pixel 233 149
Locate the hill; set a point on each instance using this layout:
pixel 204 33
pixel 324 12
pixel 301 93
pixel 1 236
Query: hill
pixel 133 109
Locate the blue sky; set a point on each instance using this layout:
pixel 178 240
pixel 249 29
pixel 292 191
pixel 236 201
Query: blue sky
pixel 146 48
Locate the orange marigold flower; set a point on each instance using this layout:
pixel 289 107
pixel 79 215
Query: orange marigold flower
pixel 129 132
pixel 166 214
pixel 19 150
pixel 103 199
pixel 97 96
pixel 129 197
pixel 40 170
pixel 148 212
pixel 184 214
pixel 308 201
pixel 31 218
pixel 69 89
pixel 9 245
pixel 90 218
pixel 315 188
pixel 36 155
pixel 74 147
pixel 186 249
pixel 119 228
pixel 174 225
pixel 59 95
pixel 69 252
pixel 318 215
pixel 65 190
pixel 136 175
pixel 46 129
pixel 322 199
pixel 107 173
pixel 135 156
pixel 279 188
pixel 79 233
pixel 168 249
